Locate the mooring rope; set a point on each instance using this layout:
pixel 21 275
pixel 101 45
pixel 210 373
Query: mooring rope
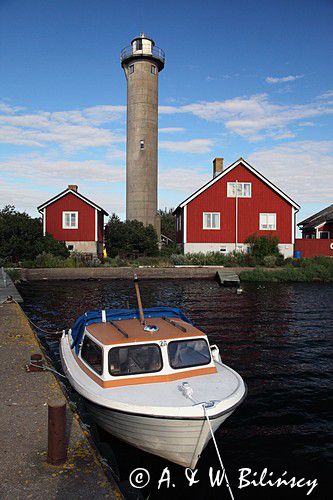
pixel 187 391
pixel 224 473
pixel 47 368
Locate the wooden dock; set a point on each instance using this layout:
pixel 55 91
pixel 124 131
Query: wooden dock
pixel 227 277
pixel 7 288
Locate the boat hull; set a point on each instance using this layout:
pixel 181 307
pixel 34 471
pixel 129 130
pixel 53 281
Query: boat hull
pixel 177 440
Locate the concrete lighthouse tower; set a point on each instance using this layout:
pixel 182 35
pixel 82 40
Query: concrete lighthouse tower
pixel 142 61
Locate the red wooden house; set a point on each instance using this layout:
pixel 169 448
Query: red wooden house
pixel 234 204
pixel 72 218
pixel 317 234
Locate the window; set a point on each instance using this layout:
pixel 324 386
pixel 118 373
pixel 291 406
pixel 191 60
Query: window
pixel 241 189
pixel 324 235
pixel 153 69
pixel 142 144
pixel 91 353
pixel 70 220
pixel 70 247
pixel 267 222
pixel 139 44
pixel 136 359
pixel 131 69
pixel 186 353
pixel 211 220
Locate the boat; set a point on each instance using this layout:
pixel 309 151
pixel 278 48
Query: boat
pixel 150 378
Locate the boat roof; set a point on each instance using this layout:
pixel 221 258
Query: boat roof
pixel 131 331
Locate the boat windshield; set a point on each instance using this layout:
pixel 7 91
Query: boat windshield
pixel 186 353
pixel 136 359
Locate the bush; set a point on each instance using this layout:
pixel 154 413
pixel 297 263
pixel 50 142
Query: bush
pixel 21 237
pixel 14 275
pixel 130 238
pixel 270 260
pixel 262 246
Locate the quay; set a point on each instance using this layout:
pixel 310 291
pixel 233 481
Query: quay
pixel 7 287
pixel 227 277
pixel 180 272
pixel 24 471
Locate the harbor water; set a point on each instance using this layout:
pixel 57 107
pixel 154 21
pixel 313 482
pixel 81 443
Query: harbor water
pixel 277 336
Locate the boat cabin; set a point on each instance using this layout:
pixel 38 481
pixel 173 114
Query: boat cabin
pixel 128 352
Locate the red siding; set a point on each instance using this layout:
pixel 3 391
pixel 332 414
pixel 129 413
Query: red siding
pixel 313 247
pixel 214 199
pixel 71 203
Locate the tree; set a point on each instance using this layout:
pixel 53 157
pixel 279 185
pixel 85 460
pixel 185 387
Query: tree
pixel 130 238
pixel 21 237
pixel 168 223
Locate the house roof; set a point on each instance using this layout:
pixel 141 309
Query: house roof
pixel 229 169
pixel 75 193
pixel 315 220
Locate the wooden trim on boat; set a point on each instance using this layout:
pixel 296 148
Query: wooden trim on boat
pixel 144 380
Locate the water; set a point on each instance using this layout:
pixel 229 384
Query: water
pixel 277 336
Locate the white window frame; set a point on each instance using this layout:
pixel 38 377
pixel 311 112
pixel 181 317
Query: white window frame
pixel 64 214
pixel 230 187
pixel 178 223
pixel 328 235
pixel 267 228
pixel 204 226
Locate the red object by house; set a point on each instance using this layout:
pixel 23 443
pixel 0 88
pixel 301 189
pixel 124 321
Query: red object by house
pixel 74 219
pixel 317 234
pixel 237 202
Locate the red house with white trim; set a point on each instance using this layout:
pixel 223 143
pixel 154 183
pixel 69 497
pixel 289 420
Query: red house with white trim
pixel 237 202
pixel 72 218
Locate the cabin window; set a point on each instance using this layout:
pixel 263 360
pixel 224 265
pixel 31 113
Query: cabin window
pixel 239 189
pixel 187 353
pixel 70 220
pixel 131 360
pixel 324 235
pixel 131 69
pixel 267 222
pixel 211 220
pixel 91 353
pixel 153 69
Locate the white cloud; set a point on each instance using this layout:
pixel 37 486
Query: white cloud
pixel 192 146
pixel 302 169
pixel 171 130
pixel 186 180
pixel 49 170
pixel 253 117
pixel 283 79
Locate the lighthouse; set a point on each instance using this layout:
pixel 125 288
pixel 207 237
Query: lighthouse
pixel 142 62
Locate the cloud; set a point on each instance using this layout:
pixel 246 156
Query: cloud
pixel 71 130
pixel 283 79
pixel 192 146
pixel 254 117
pixel 186 180
pixel 303 169
pixel 49 170
pixel 171 130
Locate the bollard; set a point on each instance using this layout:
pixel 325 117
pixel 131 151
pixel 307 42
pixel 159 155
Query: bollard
pixel 57 446
pixel 36 363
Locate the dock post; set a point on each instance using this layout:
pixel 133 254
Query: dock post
pixel 57 445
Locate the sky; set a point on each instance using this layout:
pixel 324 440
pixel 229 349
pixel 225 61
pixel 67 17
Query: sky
pixel 243 78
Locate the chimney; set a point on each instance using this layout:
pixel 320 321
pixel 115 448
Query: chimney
pixel 72 187
pixel 217 166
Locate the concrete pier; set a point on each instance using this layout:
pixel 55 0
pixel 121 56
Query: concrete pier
pixel 7 287
pixel 24 472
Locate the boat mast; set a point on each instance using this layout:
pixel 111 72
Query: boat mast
pixel 138 297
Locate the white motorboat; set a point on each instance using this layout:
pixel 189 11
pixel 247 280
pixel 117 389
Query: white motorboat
pixel 150 378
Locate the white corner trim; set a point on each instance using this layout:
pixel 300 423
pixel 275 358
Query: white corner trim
pixel 44 222
pixel 96 225
pixel 64 194
pixel 293 225
pixel 227 170
pixel 185 225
